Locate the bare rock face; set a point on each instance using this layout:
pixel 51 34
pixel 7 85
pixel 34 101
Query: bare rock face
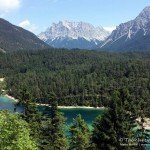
pixel 67 34
pixel 132 35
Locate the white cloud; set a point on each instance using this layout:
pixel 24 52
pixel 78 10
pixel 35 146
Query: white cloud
pixel 8 5
pixel 110 29
pixel 26 24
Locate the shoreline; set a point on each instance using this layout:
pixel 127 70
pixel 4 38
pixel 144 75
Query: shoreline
pixel 10 97
pixel 2 79
pixel 60 107
pixel 73 107
pixel 146 123
pixel 80 107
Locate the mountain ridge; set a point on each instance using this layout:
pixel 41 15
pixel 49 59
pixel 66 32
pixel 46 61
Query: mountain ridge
pixel 73 32
pixel 14 38
pixel 131 35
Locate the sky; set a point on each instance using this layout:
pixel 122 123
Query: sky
pixel 37 15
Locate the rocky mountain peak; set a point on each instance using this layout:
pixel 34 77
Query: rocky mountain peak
pixel 74 30
pixel 70 34
pixel 145 13
pixel 126 34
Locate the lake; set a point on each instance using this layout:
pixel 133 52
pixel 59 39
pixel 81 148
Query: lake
pixel 88 114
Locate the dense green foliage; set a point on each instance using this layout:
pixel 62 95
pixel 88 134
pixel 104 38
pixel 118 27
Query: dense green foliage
pixel 31 114
pixel 77 77
pixel 48 131
pixel 79 134
pixel 119 81
pixel 15 133
pixel 117 123
pixel 55 135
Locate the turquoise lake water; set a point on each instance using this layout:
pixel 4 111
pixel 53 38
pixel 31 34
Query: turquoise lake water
pixel 88 114
pixel 8 104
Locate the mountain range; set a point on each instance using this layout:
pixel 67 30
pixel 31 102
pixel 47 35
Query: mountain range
pixel 68 34
pixel 132 35
pixel 14 38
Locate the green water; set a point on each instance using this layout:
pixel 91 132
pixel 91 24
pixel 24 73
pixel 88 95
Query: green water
pixel 88 114
pixel 8 104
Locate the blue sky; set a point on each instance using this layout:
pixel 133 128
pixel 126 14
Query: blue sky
pixel 37 15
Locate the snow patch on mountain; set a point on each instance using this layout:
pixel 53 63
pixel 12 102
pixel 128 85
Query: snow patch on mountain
pixel 74 30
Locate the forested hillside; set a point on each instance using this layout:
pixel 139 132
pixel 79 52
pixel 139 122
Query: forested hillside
pixel 78 77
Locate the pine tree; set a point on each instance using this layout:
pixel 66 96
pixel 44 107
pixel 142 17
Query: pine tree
pixel 53 129
pixel 15 133
pixel 114 127
pixel 31 114
pixel 79 134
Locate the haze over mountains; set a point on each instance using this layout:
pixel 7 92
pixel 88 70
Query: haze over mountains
pixel 67 34
pixel 14 38
pixel 132 35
